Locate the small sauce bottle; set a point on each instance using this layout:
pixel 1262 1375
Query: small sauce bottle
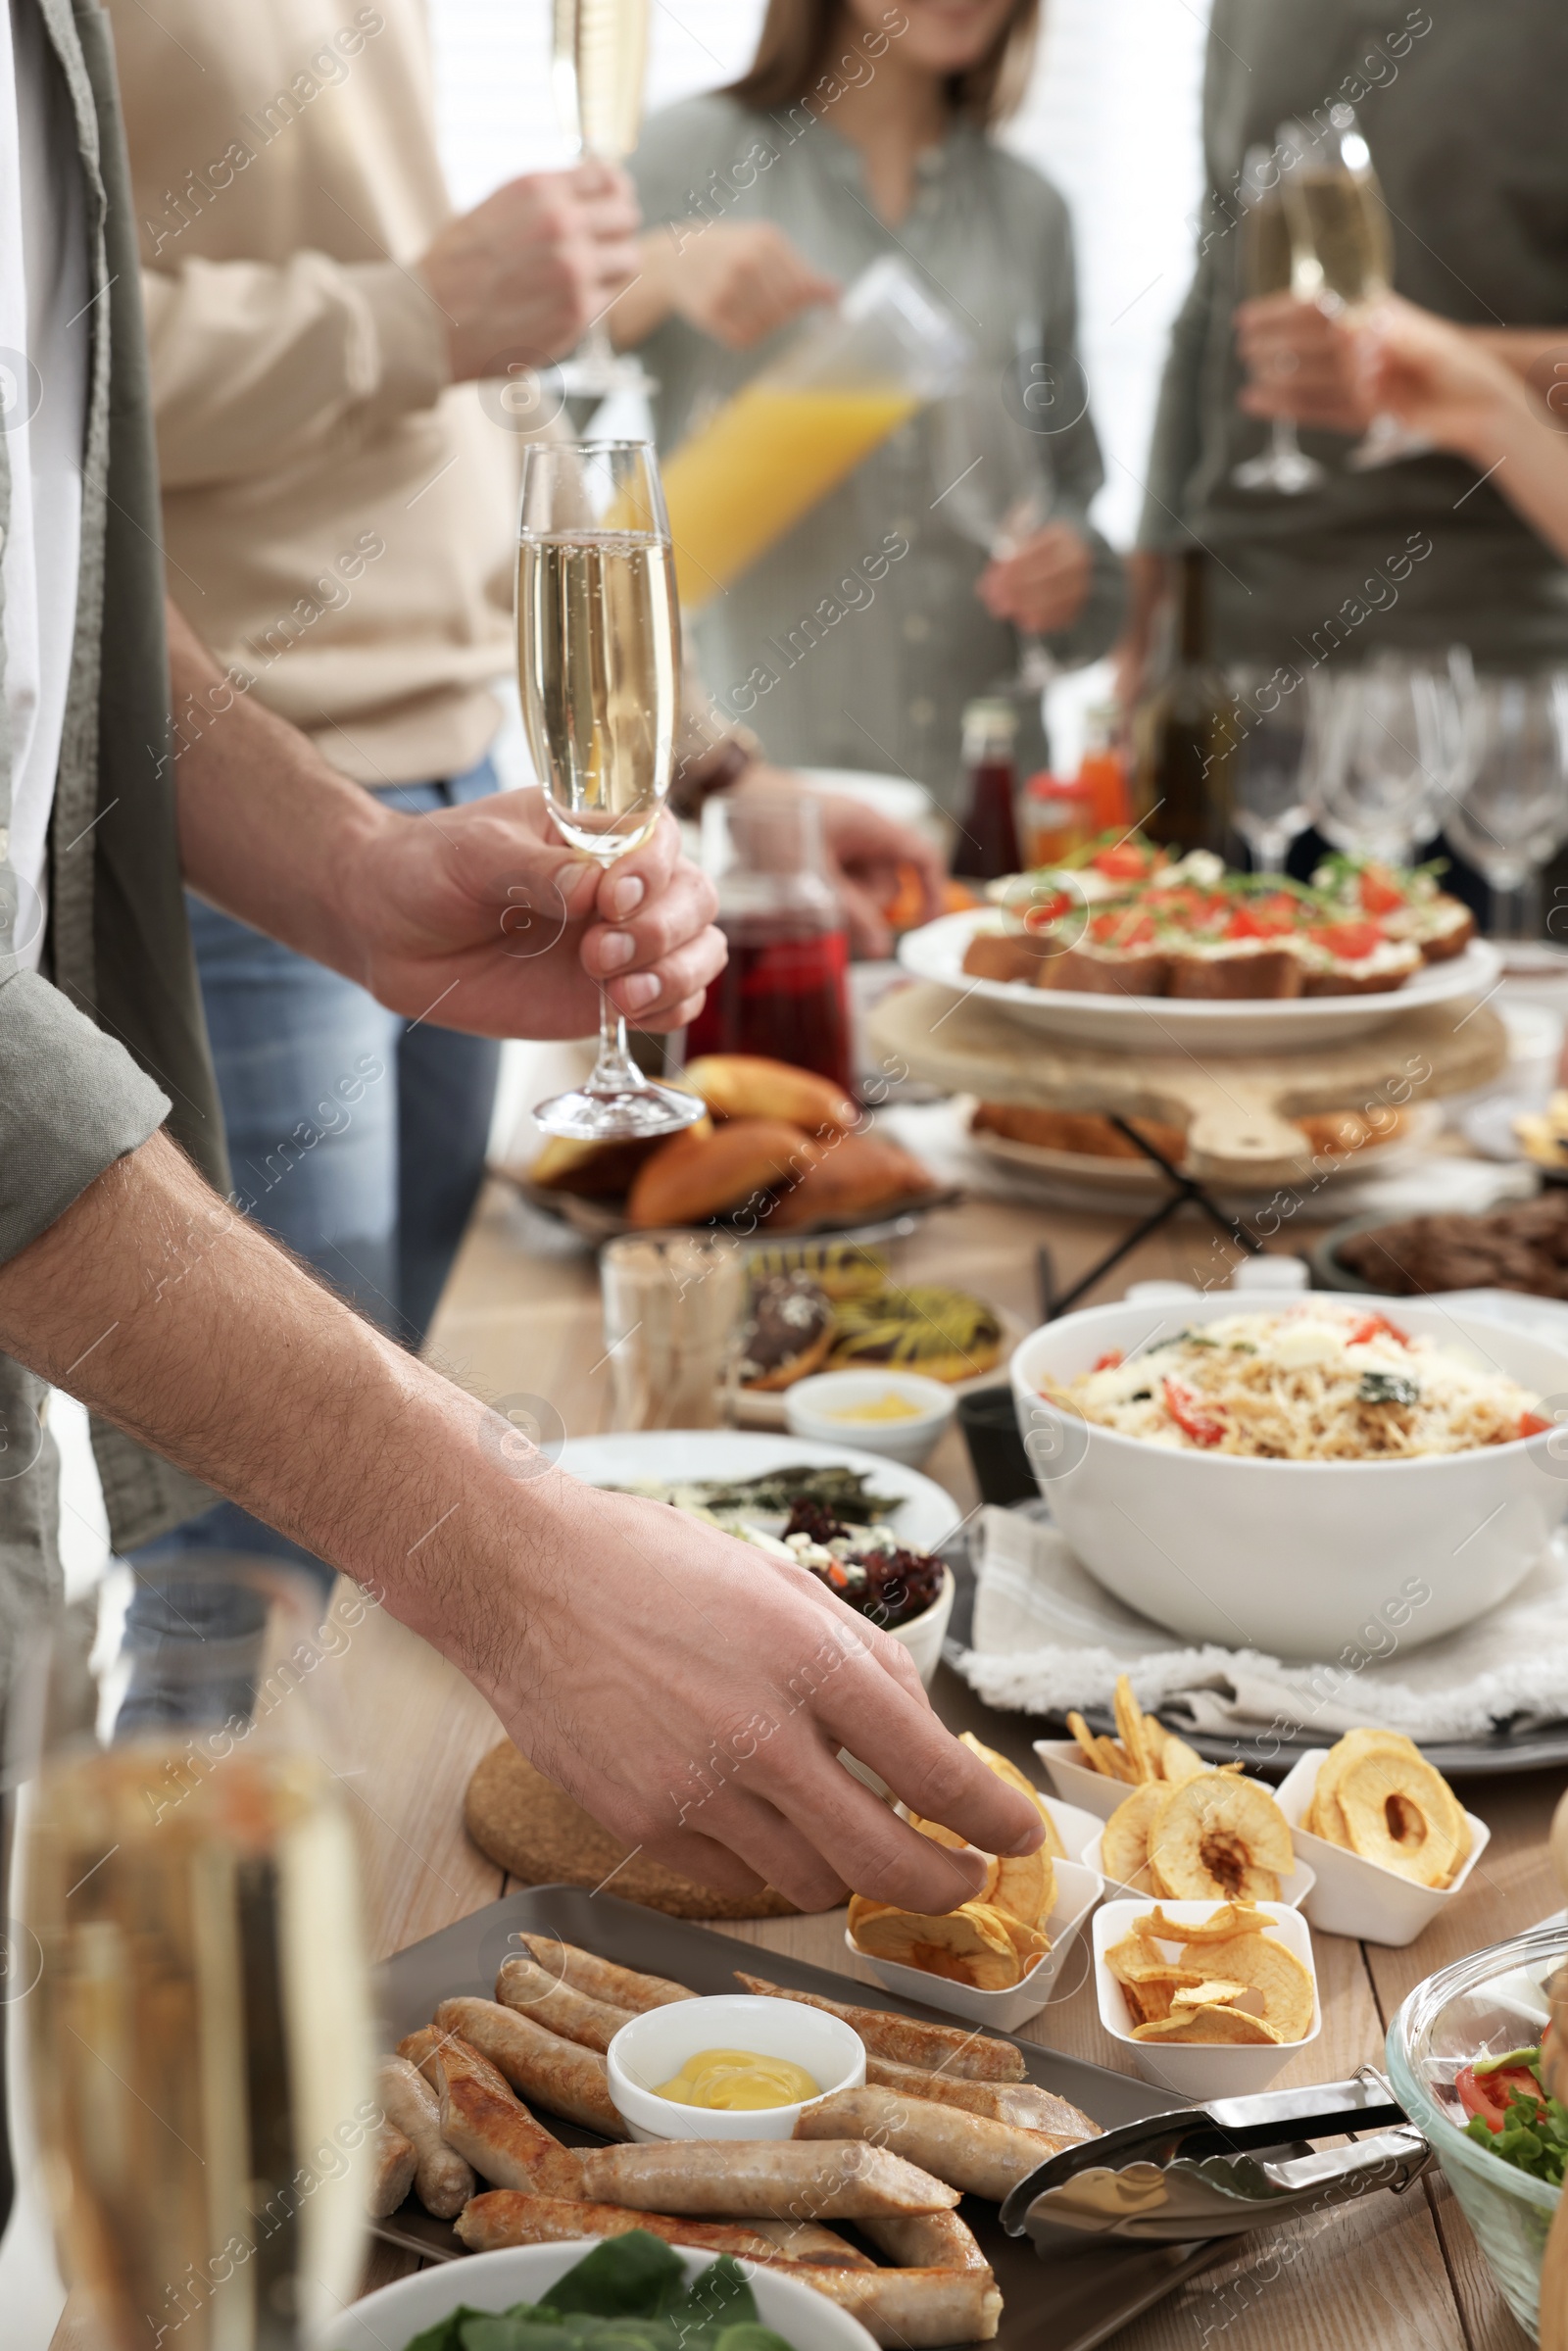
pixel 987 846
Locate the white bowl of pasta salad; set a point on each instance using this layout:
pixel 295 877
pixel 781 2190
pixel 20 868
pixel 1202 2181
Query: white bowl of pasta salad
pixel 1306 1479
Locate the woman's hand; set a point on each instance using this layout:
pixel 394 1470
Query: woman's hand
pixel 736 280
pixel 872 862
pixel 1042 585
pixel 1301 363
pixel 1438 379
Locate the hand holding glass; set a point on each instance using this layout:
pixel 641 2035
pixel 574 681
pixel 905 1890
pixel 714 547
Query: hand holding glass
pixel 598 666
pixel 1269 265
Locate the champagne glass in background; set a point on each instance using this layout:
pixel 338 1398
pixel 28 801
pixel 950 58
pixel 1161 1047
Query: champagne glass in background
pixel 599 667
pixel 994 485
pixel 1508 813
pixel 1389 742
pixel 1268 765
pixel 1345 245
pixel 598 59
pixel 200 2040
pixel 1269 267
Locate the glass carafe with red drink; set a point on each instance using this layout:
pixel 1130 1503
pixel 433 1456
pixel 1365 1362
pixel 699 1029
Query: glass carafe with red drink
pixel 784 991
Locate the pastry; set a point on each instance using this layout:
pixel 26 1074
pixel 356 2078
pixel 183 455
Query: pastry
pixel 946 1334
pixel 856 1176
pixel 694 1176
pixel 787 1332
pixel 749 1086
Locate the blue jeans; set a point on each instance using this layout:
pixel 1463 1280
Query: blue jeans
pixel 355 1135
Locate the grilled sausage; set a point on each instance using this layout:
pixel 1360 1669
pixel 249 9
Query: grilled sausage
pixel 392 2160
pixel 981 2157
pixel 1022 2103
pixel 554 2074
pixel 417 2048
pixel 808 2244
pixel 529 1989
pixel 913 2309
pixel 506 2218
pixel 494 2130
pixel 925 2240
pixel 770 2178
pixel 442 2181
pixel 971 2056
pixel 602 1979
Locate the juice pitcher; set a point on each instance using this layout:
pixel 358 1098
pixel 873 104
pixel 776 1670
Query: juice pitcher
pixel 792 434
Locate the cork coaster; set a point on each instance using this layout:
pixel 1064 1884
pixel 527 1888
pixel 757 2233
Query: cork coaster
pixel 535 1831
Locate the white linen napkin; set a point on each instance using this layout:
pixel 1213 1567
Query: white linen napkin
pixel 1047 1636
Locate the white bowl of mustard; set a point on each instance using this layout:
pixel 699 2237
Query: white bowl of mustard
pixel 900 1415
pixel 782 2051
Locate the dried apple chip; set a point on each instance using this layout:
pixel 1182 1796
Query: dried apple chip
pixel 1213 2026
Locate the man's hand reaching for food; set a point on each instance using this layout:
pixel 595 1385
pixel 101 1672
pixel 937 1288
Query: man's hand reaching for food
pixel 690 1693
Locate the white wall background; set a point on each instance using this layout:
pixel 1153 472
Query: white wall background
pixel 1111 116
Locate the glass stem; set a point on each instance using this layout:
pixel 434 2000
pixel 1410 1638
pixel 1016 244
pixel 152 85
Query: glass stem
pixel 1272 849
pixel 1283 440
pixel 615 1071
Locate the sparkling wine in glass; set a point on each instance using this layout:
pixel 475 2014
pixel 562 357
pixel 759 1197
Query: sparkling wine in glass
pixel 599 668
pixel 597 63
pixel 1269 267
pixel 1340 225
pixel 201 2046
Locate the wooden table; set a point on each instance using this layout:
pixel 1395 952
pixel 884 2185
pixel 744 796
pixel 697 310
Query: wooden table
pixel 1386 2275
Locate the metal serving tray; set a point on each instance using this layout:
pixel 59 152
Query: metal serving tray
pixel 1064 2304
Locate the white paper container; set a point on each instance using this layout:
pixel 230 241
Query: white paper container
pixel 1359 1898
pixel 1293 1889
pixel 1078 1889
pixel 1074 1826
pixel 655 2046
pixel 383 2322
pixel 1075 1783
pixel 1196 2070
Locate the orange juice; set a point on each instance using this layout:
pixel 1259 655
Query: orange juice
pixel 765 460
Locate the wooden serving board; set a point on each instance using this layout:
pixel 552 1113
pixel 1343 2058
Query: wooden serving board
pixel 535 1831
pixel 1237 1111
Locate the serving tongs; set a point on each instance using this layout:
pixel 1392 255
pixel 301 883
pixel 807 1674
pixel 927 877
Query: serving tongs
pixel 1217 2170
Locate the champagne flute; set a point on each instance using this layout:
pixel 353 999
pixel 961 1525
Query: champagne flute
pixel 599 668
pixel 1270 265
pixel 598 59
pixel 1384 754
pixel 1508 810
pixel 201 2051
pixel 1268 765
pixel 1340 223
pixel 995 487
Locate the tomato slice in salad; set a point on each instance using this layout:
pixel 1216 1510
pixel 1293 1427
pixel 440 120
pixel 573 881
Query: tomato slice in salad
pixel 1125 862
pixel 1486 2096
pixel 1190 1416
pixel 1378 1326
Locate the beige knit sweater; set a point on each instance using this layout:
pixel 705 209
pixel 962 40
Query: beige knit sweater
pixel 339 520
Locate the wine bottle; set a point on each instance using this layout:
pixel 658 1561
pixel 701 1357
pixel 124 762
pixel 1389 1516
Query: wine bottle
pixel 1183 732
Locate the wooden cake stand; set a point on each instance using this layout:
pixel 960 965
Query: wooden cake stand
pixel 1236 1110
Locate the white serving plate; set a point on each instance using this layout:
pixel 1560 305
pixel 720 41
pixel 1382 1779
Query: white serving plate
pixel 1355 1897
pixel 386 2320
pixel 1298 1559
pixel 925 1517
pixel 1196 2071
pixel 1163 1025
pixel 1078 1889
pixel 1294 1887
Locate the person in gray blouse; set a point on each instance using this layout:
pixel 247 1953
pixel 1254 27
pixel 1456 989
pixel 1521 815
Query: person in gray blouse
pixel 863 131
pixel 1461 108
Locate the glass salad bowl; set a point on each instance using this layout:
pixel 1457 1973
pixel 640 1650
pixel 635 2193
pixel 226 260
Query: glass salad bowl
pixel 1486 2004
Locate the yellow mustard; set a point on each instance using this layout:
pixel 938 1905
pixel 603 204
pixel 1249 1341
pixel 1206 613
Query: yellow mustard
pixel 888 1406
pixel 738 2080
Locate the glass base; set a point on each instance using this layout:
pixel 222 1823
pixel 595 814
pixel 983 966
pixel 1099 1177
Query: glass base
pixel 1290 472
pixel 624 1115
pixel 591 375
pixel 1385 442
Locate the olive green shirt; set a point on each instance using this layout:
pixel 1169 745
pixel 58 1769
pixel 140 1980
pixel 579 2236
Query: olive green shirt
pixel 1463 110
pixel 106 1044
pixel 857 639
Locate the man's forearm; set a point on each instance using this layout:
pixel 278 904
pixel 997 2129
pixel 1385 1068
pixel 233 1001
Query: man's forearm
pixel 268 829
pixel 173 1315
